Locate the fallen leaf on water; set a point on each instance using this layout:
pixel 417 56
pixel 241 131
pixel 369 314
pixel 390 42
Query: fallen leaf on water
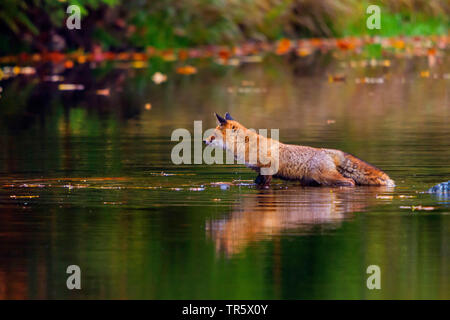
pixel 68 64
pixel 123 56
pixel 370 80
pixel 138 64
pixel 316 42
pixel 28 71
pixel 139 56
pixel 345 44
pixel 16 70
pixel 283 46
pixel 196 189
pixel 158 77
pixel 425 74
pixel 70 87
pixel 421 208
pixel 398 44
pixel 53 78
pixel 36 57
pixel 252 59
pixel 233 62
pixel 103 92
pixel 246 83
pixel 224 54
pixel 162 173
pixel 303 52
pixel 183 55
pixel 187 70
pixel 168 55
pixel 336 78
pixel 385 197
pixel 220 183
pixel 23 197
pixel 418 208
pixel 81 59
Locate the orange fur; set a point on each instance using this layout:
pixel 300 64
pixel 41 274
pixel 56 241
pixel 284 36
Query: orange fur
pixel 308 165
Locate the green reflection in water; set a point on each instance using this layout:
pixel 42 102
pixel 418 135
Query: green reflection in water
pixel 83 180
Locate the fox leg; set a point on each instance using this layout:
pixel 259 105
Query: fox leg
pixel 263 180
pixel 334 178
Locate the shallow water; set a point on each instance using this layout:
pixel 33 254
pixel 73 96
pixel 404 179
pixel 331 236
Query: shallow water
pixel 87 179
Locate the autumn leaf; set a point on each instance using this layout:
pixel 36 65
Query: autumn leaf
pixel 187 70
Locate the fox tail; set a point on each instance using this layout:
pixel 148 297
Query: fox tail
pixel 362 172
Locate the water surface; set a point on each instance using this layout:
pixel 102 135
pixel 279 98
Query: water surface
pixel 87 179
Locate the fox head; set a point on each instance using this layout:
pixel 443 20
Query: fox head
pixel 245 144
pixel 227 129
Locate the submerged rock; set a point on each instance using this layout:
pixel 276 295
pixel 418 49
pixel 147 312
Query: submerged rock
pixel 440 188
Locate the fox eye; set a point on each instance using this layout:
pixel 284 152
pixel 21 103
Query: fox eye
pixel 233 127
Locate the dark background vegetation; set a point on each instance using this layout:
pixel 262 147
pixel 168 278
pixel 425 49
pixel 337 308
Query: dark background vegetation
pixel 39 25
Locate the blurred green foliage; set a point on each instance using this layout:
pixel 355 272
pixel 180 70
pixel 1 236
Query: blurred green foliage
pixel 32 25
pixel 402 17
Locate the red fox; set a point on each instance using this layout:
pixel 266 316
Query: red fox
pixel 307 165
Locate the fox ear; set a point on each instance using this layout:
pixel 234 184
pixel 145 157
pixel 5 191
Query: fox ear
pixel 228 117
pixel 220 119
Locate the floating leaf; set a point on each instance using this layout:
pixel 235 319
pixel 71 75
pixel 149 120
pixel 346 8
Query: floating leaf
pixel 425 73
pixel 70 87
pixel 345 44
pixel 103 92
pixel 139 64
pixel 283 46
pixel 336 78
pixel 385 197
pixel 187 70
pixel 303 52
pixel 53 78
pixel 68 64
pixel 23 197
pixel 158 77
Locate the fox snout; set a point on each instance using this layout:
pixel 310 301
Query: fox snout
pixel 209 140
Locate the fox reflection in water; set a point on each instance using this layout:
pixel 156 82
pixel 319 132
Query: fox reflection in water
pixel 303 210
